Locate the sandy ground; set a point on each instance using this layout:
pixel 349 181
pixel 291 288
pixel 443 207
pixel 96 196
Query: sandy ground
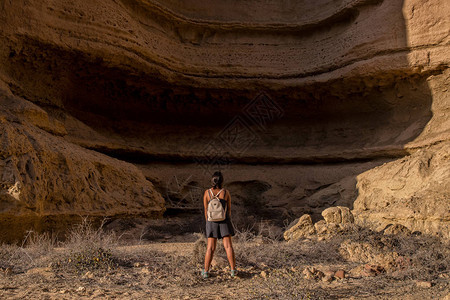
pixel 138 279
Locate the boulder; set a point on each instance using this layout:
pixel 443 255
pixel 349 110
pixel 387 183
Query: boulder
pixel 313 273
pixel 338 215
pixel 300 228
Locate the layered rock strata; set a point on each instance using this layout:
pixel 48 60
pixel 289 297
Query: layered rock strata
pixel 157 83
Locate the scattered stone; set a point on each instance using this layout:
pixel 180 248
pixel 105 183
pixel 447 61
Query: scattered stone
pixel 403 262
pixel 81 289
pixel 357 271
pixel 300 228
pixel 327 278
pixel 340 274
pixel 89 275
pixel 372 270
pixel 312 273
pixel 7 271
pixel 137 265
pixel 319 275
pixel 264 274
pixel 424 284
pixel 308 272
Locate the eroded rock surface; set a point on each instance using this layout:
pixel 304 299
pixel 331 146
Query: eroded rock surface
pixel 296 98
pixel 412 191
pixel 338 215
pixel 48 182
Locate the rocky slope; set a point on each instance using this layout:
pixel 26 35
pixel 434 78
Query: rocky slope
pixel 175 87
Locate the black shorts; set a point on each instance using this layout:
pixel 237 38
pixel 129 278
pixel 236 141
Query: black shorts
pixel 219 229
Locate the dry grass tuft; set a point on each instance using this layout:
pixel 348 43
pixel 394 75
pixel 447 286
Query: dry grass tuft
pixel 33 252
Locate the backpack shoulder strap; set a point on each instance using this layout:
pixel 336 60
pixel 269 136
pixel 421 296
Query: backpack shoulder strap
pixel 211 194
pixel 217 195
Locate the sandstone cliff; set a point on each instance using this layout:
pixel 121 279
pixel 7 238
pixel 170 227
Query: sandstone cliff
pixel 349 85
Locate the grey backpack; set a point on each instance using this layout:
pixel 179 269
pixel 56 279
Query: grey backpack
pixel 216 212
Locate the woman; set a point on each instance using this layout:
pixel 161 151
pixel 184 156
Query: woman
pixel 217 230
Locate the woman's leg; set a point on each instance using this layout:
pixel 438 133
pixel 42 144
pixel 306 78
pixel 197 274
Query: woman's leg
pixel 210 252
pixel 227 244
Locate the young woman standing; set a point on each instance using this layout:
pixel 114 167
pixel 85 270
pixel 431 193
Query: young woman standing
pixel 218 230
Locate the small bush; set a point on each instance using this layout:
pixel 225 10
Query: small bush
pixel 198 254
pixel 87 260
pixel 429 257
pixel 32 252
pixel 87 249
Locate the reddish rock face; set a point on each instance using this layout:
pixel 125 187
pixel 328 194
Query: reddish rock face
pixel 108 107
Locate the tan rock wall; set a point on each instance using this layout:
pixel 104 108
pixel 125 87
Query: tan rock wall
pixel 357 80
pixel 47 183
pixel 413 191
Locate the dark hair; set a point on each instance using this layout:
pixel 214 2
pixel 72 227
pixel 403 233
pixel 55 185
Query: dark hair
pixel 217 180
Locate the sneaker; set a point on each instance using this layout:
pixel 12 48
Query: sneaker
pixel 205 274
pixel 233 273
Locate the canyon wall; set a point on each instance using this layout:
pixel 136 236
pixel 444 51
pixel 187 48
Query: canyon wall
pixel 105 104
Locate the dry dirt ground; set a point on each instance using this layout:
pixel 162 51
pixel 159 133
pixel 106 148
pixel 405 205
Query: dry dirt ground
pixel 166 270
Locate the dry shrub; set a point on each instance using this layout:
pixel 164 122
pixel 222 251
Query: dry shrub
pixel 88 249
pixel 270 231
pixel 262 252
pixel 429 257
pixel 423 257
pixel 32 252
pixel 86 236
pixel 198 254
pixel 426 258
pixel 9 255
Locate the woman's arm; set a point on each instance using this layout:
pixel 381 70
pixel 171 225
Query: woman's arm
pixel 205 203
pixel 228 199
